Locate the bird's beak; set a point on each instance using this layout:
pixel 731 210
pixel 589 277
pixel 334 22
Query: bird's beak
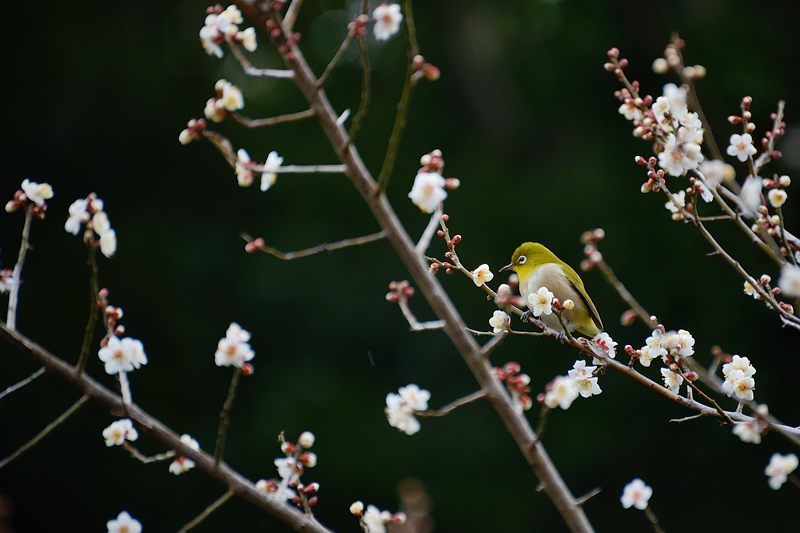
pixel 507 267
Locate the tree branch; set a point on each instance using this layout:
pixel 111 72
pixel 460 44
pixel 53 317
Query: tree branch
pixel 20 384
pixel 239 485
pixel 16 276
pixel 320 248
pixel 271 121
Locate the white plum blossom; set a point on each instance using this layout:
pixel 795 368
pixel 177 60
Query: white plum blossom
pixel 275 490
pixel 750 431
pixel 221 26
pixel 123 355
pixel 739 378
pixel 608 344
pixel 78 215
pixel 680 343
pixel 119 431
pixel 584 379
pixel 234 349
pixel 541 302
pixel 288 469
pixel 779 468
pixel 751 291
pixel 716 171
pixel 124 523
pixel 704 190
pixel 677 202
pixel 630 110
pixel 482 275
pixel 244 172
pixel 789 282
pixel 387 20
pixel 181 465
pixel 271 166
pixel 400 408
pixel 561 392
pixel 306 439
pixel 672 380
pixel 500 321
pixel 679 155
pixel 636 494
pixel 108 243
pixel 741 146
pixel 428 191
pixel 777 197
pixel 37 192
pixel 751 193
pixel 678 97
pixel 248 39
pixel 374 520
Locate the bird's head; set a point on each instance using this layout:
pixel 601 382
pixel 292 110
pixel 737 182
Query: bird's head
pixel 527 257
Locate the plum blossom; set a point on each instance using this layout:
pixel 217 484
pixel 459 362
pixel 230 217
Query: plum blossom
pixel 275 489
pixel 244 172
pixel 119 431
pixel 400 408
pixel 584 379
pixel 789 282
pixel 124 523
pixel 37 192
pixel 123 355
pixel 779 468
pixel 541 302
pixel 271 166
pixel 482 275
pixel 387 20
pixel 89 211
pixel 739 378
pixel 562 391
pixel 741 146
pixel 677 202
pixel 500 321
pixel 182 464
pixel 679 155
pixel 374 520
pixel 222 25
pixel 636 494
pixel 716 171
pixel 234 349
pixel 777 197
pixel 751 193
pixel 428 191
pixel 750 431
pixel 672 380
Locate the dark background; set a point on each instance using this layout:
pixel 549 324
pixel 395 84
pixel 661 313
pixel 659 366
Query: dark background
pixel 96 95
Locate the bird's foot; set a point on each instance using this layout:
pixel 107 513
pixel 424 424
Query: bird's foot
pixel 562 337
pixel 526 316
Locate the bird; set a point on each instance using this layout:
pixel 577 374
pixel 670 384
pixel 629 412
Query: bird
pixel 538 267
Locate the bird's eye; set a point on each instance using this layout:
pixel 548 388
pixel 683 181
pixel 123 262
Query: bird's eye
pixel 521 260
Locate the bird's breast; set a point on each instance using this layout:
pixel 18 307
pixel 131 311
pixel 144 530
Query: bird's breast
pixel 548 275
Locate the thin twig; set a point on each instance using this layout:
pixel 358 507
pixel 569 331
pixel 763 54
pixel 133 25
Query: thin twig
pixel 22 383
pixel 250 70
pixel 510 331
pixel 291 14
pixel 94 310
pixel 686 418
pixel 216 504
pixel 272 121
pixel 348 40
pixel 320 248
pixel 653 519
pixel 366 82
pixel 626 295
pixel 707 398
pixel 168 438
pixel 589 495
pixel 147 459
pixel 415 324
pixel 430 230
pixel 450 407
pixel 224 416
pixel 42 434
pixel 489 347
pixel 16 276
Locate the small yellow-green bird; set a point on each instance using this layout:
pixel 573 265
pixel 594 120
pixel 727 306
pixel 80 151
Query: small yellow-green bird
pixel 538 267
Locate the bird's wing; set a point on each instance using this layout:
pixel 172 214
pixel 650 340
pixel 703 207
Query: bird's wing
pixel 589 304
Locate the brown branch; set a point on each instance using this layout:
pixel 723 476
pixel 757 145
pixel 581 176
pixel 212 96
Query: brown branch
pixel 366 82
pixel 291 13
pixel 250 70
pixel 16 275
pixel 99 394
pixel 651 517
pixel 43 433
pixel 320 248
pixel 626 295
pixel 20 384
pixel 216 504
pixel 225 416
pixel 94 310
pixel 589 495
pixel 272 121
pixel 348 40
pixel 450 407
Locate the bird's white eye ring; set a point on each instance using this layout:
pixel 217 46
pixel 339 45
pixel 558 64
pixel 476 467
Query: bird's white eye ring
pixel 521 260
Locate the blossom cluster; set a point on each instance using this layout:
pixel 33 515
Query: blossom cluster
pixel 288 486
pixel 121 355
pixel 750 430
pixel 401 406
pixel 430 187
pixel 31 194
pixel 739 378
pixel 562 391
pixel 227 98
pixel 245 169
pixel 119 431
pixel 373 520
pixel 222 26
pixel 90 212
pixel 234 348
